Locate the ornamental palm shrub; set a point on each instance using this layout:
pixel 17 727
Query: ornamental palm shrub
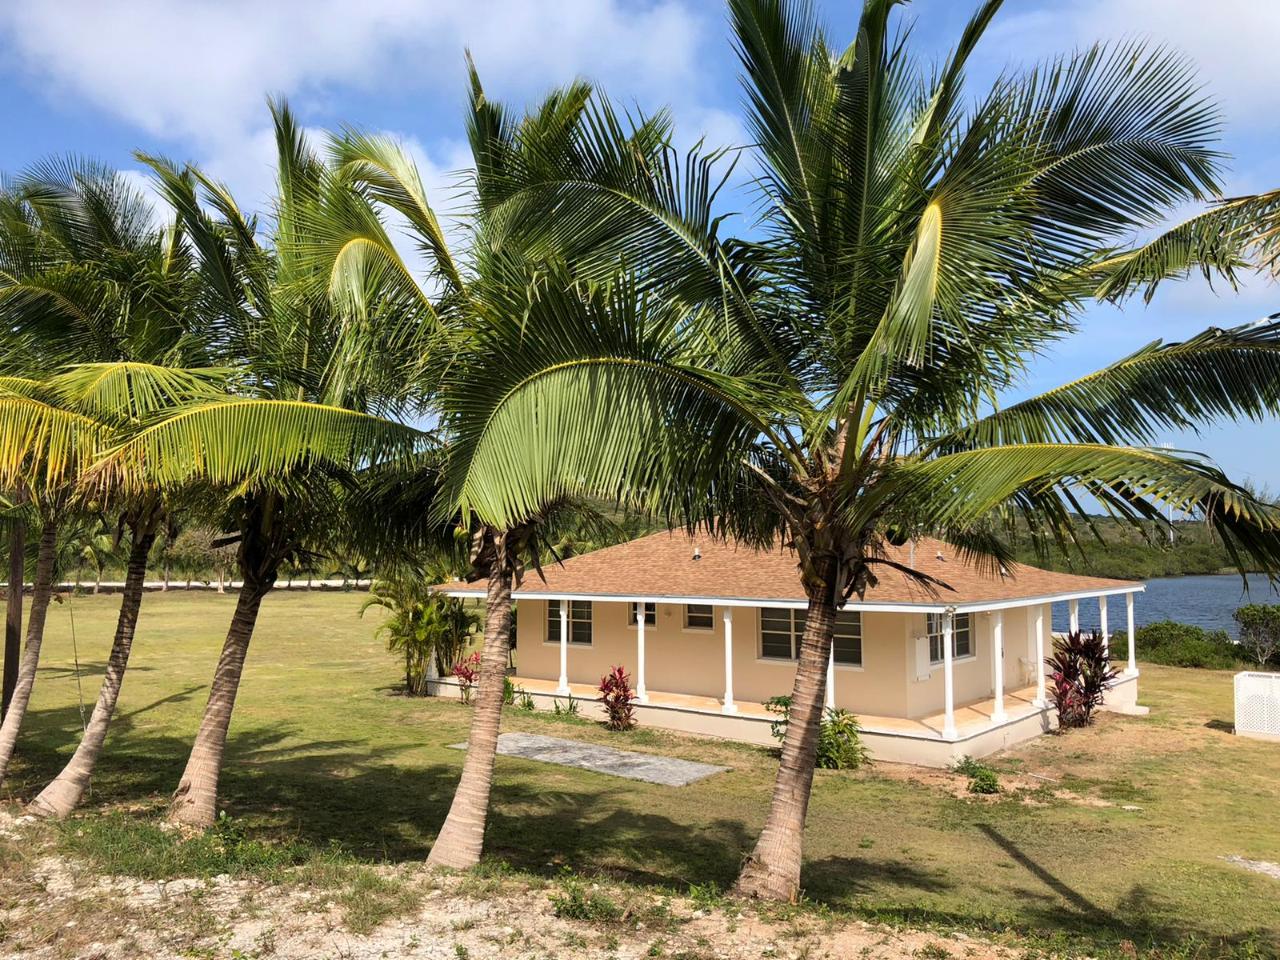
pixel 840 744
pixel 1080 671
pixel 430 630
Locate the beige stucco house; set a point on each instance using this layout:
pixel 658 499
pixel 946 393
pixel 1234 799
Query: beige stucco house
pixel 709 630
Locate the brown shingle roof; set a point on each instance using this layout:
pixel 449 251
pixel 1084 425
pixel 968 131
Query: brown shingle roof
pixel 663 565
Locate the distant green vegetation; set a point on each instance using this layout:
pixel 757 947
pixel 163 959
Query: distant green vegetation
pixel 1125 554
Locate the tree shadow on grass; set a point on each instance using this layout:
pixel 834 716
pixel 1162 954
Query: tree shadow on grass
pixel 89 669
pixel 374 802
pixel 1140 916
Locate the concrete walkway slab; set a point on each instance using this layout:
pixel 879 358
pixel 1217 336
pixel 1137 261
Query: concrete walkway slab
pixel 648 767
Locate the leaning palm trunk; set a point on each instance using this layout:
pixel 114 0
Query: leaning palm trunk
pixel 195 801
pixel 66 791
pixel 13 613
pixel 41 592
pixel 461 839
pixel 772 871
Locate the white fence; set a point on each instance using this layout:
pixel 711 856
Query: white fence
pixel 1258 704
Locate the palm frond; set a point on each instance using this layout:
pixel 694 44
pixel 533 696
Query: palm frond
pixel 250 444
pixel 1216 375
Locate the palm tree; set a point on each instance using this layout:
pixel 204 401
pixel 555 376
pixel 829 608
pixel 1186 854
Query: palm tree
pixel 306 383
pixel 549 189
pixel 122 396
pixel 915 252
pixel 42 447
pixel 98 303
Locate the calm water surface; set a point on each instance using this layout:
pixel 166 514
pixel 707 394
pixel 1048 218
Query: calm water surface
pixel 1206 601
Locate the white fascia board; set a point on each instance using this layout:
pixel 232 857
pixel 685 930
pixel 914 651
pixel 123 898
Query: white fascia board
pixel 936 607
pixel 979 606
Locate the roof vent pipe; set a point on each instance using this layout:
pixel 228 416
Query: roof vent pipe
pixel 697 553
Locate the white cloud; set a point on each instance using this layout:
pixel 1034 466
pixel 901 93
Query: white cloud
pixel 195 74
pixel 199 69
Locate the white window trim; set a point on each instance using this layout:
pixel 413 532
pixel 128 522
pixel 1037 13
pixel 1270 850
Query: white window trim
pixel 551 641
pixel 631 609
pixel 684 620
pixel 761 658
pixel 956 657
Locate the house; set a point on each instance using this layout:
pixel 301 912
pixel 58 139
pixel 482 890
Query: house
pixel 709 630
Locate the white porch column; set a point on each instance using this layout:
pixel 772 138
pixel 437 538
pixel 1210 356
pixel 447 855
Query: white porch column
pixel 997 653
pixel 1041 700
pixel 729 705
pixel 1133 646
pixel 563 687
pixel 642 695
pixel 1102 625
pixel 948 684
pixel 1073 611
pixel 831 676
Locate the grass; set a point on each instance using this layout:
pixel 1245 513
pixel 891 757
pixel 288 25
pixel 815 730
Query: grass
pixel 331 774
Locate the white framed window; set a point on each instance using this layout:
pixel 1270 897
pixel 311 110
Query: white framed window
pixel 579 622
pixel 699 616
pixel 846 643
pixel 782 630
pixel 961 635
pixel 650 614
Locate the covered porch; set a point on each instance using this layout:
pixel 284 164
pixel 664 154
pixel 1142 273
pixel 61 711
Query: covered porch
pixel 959 719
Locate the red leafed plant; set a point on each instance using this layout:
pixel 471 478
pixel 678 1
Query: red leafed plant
pixel 467 671
pixel 1081 672
pixel 617 696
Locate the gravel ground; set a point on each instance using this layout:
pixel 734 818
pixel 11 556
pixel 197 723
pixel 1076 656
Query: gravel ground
pixel 56 908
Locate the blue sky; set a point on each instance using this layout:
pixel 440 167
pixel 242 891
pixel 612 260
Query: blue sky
pixel 189 79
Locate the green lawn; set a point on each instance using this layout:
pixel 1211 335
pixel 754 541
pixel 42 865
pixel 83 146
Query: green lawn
pixel 323 752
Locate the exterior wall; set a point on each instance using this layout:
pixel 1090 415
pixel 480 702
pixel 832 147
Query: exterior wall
pixel 678 660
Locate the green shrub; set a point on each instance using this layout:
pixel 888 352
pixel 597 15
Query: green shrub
pixel 984 781
pixel 568 709
pixel 508 692
pixel 982 778
pixel 1259 632
pixel 967 766
pixel 526 699
pixel 840 744
pixel 574 901
pixel 1176 644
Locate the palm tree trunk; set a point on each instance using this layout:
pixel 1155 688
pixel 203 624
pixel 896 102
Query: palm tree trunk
pixel 461 839
pixel 13 613
pixel 64 794
pixel 97 582
pixel 195 802
pixel 41 592
pixel 772 872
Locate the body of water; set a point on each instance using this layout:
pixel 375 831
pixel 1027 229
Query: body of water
pixel 1205 601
